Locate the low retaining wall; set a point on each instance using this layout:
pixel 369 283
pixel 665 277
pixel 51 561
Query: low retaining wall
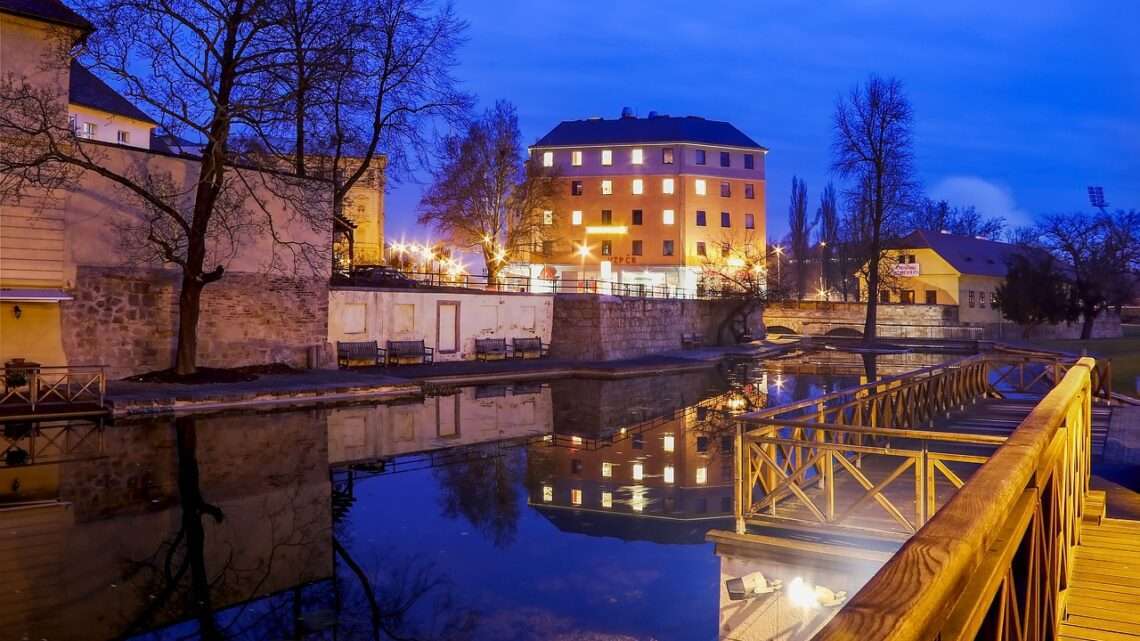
pixel 1105 325
pixel 604 328
pixel 127 319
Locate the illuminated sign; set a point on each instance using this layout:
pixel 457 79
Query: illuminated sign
pixel 607 229
pixel 906 269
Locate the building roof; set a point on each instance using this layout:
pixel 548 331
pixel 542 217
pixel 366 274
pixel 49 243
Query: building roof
pixel 654 129
pixel 88 90
pixel 52 11
pixel 968 255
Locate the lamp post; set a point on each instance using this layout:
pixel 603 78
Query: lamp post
pixel 779 253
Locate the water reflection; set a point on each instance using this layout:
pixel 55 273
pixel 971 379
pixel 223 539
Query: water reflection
pixel 559 510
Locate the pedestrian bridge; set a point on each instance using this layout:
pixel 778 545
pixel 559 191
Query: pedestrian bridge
pixel 979 469
pixel 839 319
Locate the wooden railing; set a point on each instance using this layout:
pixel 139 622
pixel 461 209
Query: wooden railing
pixel 46 385
pixel 995 561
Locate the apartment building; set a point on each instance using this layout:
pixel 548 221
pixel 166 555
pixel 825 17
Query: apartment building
pixel 654 200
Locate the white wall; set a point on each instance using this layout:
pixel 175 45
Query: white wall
pixel 384 315
pixel 108 126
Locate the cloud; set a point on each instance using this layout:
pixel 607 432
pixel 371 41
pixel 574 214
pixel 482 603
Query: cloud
pixel 990 198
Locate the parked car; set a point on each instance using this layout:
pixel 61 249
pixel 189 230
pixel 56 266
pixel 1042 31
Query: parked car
pixel 381 276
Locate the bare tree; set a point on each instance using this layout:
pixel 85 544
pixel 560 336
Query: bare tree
pixel 1104 254
pixel 486 195
pixel 739 271
pixel 199 66
pixel 827 224
pixel 939 216
pixel 799 235
pixel 872 146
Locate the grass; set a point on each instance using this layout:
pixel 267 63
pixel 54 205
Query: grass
pixel 1124 352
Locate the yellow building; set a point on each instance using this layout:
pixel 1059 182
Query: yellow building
pixel 650 201
pixel 934 268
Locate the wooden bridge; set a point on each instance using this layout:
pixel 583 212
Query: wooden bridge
pixel 981 468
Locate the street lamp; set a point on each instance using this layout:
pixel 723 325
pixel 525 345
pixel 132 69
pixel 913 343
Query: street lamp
pixel 779 252
pixel 1096 197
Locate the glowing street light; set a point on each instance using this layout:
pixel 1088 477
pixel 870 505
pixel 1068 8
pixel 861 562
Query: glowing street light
pixel 583 250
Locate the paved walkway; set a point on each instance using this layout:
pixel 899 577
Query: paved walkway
pixel 382 383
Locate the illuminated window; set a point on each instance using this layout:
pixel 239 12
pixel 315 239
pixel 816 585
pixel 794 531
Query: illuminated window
pixel 667 217
pixel 576 158
pixel 607 187
pixel 637 157
pixel 575 440
pixel 576 496
pixel 124 137
pixel 637 503
pixel 638 186
pixel 607 499
pixel 702 475
pixel 576 217
pixel 669 442
pixel 90 129
pixel 547 493
pixel 548 159
pixel 547 217
pixel 668 473
pixel 607 470
pixel 667 186
pixel 607 248
pixel 607 157
pixel 638 471
pixel 700 188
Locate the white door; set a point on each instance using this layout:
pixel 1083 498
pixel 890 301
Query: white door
pixel 447 337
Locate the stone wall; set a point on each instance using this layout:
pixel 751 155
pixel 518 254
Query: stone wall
pixel 127 319
pixel 1105 325
pixel 603 328
pixel 818 317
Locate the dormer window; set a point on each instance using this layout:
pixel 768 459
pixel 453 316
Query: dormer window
pixel 607 157
pixel 576 158
pixel 637 156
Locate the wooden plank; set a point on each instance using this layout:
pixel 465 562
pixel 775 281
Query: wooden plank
pixel 1093 593
pixel 1110 611
pixel 1102 625
pixel 1089 634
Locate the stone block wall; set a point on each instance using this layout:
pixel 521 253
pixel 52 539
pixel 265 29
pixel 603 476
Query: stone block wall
pixel 603 328
pixel 127 319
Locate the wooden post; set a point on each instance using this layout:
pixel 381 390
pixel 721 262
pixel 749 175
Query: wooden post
pixel 738 477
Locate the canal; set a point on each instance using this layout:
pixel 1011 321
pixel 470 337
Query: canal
pixel 572 509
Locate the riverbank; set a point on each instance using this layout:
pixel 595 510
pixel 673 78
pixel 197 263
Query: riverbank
pixel 127 398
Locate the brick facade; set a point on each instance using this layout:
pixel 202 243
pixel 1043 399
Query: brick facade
pixel 127 319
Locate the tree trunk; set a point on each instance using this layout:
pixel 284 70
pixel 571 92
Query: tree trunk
pixel 1087 320
pixel 189 308
pixel 871 323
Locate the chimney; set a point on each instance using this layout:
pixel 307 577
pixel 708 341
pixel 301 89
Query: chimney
pixel 627 112
pixel 652 114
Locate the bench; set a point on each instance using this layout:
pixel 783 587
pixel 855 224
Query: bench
pixel 692 340
pixel 521 347
pixel 486 348
pixel 399 350
pixel 349 351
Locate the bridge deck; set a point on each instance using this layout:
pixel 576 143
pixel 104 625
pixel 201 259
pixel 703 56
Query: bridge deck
pixel 1103 601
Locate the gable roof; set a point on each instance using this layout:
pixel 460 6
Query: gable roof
pixel 89 91
pixel 654 129
pixel 968 255
pixel 52 11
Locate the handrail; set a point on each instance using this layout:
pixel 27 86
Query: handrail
pixel 929 585
pixel 45 384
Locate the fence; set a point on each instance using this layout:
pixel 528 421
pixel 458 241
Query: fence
pixel 35 386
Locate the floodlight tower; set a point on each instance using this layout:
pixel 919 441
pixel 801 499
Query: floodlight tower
pixel 1096 197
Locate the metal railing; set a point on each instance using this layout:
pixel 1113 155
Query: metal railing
pixel 35 386
pixel 539 285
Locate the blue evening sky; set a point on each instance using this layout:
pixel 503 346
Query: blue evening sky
pixel 1018 105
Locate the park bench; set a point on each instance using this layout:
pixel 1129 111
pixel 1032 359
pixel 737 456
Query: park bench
pixel 414 350
pixel 521 347
pixel 486 348
pixel 349 351
pixel 692 340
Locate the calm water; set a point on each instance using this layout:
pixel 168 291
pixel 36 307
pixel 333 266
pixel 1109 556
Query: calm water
pixel 572 510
